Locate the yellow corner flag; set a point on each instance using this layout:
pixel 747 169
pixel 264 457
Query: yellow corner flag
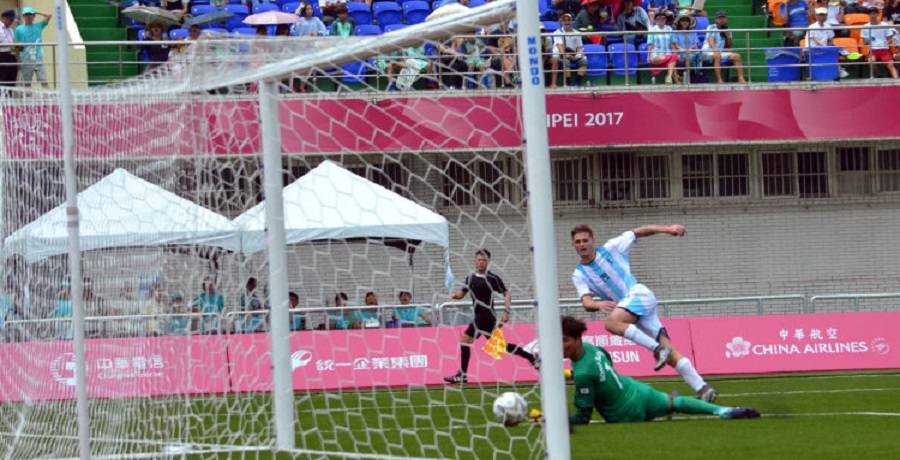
pixel 496 345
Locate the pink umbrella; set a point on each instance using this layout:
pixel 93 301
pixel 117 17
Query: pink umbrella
pixel 271 18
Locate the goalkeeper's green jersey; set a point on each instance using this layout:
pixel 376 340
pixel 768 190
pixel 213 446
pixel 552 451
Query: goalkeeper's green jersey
pixel 618 398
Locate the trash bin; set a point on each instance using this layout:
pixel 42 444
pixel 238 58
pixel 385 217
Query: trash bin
pixel 783 63
pixel 824 63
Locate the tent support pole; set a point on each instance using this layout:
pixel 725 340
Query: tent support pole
pixel 279 330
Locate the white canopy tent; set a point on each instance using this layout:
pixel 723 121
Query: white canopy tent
pixel 122 210
pixel 330 202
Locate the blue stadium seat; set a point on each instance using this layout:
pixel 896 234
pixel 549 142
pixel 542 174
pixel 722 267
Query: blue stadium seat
pixel 292 7
pixel 643 52
pixel 199 2
pixel 598 60
pixel 477 3
pixel 415 11
pixel 263 7
pixel 354 72
pixel 240 13
pixel 367 29
pixel 360 13
pixel 392 27
pixel 176 33
pixel 435 4
pixel 245 31
pixel 551 26
pixel 387 13
pixel 618 53
pixel 702 24
pixel 203 9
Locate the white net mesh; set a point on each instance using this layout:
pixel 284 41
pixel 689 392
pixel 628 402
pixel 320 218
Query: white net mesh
pixel 382 192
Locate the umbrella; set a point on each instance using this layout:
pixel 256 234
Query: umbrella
pixel 208 18
pixel 148 14
pixel 271 18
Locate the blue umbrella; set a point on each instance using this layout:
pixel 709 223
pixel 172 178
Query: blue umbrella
pixel 209 18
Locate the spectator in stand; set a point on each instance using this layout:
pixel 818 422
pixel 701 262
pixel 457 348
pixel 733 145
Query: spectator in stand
pixel 343 26
pixel 820 33
pixel 309 24
pixel 410 316
pixel 686 45
pixel 687 7
pixel 9 65
pixel 660 53
pixel 157 54
pixel 262 31
pixel 181 322
pixel 249 302
pixel 339 319
pixel 589 19
pixel 298 321
pixel 194 32
pixel 473 49
pixel 835 16
pixel 282 30
pixel 152 309
pixel 452 63
pixel 413 62
pixel 32 57
pixel 798 17
pixel 879 41
pixel 62 312
pixel 571 7
pixel 501 45
pixel 632 18
pixel 655 7
pixel 549 56
pixel 570 50
pixel 177 7
pixel 718 40
pixel 891 12
pixel 367 318
pixel 218 3
pixel 209 304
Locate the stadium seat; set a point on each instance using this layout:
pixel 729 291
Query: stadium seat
pixel 203 9
pixel 292 7
pixel 415 12
pixel 354 72
pixel 387 13
pixel 598 60
pixel 240 13
pixel 436 4
pixel 360 13
pixel 617 53
pixel 643 52
pixel 477 3
pixel 551 26
pixel 392 27
pixel 179 33
pixel 367 29
pixel 199 2
pixel 245 31
pixel 856 19
pixel 773 11
pixel 263 7
pixel 702 24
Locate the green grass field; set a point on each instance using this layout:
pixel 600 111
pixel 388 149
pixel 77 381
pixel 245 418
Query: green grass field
pixel 810 416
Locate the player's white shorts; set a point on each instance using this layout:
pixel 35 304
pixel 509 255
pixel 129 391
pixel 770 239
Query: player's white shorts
pixel 642 303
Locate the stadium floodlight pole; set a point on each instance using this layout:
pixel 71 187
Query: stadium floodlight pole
pixel 543 238
pixel 279 332
pixel 75 278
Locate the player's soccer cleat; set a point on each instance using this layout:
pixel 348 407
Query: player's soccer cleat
pixel 735 413
pixel 662 356
pixel 458 378
pixel 708 394
pixel 536 364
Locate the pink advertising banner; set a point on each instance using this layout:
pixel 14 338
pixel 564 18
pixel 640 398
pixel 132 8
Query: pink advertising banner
pixel 421 356
pixel 134 367
pixel 458 123
pixel 796 343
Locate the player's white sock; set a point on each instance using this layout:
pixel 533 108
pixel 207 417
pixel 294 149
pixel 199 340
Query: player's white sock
pixel 689 374
pixel 635 335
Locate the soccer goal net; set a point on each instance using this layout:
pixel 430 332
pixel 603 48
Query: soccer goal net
pixel 400 159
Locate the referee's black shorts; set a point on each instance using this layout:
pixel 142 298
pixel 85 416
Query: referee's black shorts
pixel 483 325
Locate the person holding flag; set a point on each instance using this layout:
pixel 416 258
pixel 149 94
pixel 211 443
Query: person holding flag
pixel 483 284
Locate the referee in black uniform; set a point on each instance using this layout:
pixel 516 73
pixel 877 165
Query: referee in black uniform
pixel 9 64
pixel 482 284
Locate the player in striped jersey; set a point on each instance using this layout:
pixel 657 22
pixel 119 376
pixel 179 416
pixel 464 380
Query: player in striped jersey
pixel 619 398
pixel 605 273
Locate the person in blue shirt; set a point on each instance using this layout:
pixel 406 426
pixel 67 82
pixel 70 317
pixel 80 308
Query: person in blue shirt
pixel 798 19
pixel 32 57
pixel 410 316
pixel 686 45
pixel 715 49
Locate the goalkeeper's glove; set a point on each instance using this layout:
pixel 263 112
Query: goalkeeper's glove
pixel 536 417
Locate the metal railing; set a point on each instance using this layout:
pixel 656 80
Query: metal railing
pixel 628 72
pixel 855 298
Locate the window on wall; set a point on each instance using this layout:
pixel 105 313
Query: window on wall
pixel 803 174
pixel 653 176
pixel 457 186
pixel 889 170
pixel 616 176
pixel 854 174
pixel 812 174
pixel 697 175
pixel 733 174
pixel 491 184
pixel 572 178
pixel 777 174
pixel 390 175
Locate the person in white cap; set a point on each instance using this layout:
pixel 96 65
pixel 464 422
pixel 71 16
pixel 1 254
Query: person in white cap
pixel 32 57
pixel 820 33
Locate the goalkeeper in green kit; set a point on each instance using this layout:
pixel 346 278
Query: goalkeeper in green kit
pixel 619 398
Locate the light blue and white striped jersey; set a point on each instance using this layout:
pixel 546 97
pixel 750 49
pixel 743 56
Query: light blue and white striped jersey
pixel 609 275
pixel 662 42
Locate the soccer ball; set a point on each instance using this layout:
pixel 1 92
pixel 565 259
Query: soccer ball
pixel 510 409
